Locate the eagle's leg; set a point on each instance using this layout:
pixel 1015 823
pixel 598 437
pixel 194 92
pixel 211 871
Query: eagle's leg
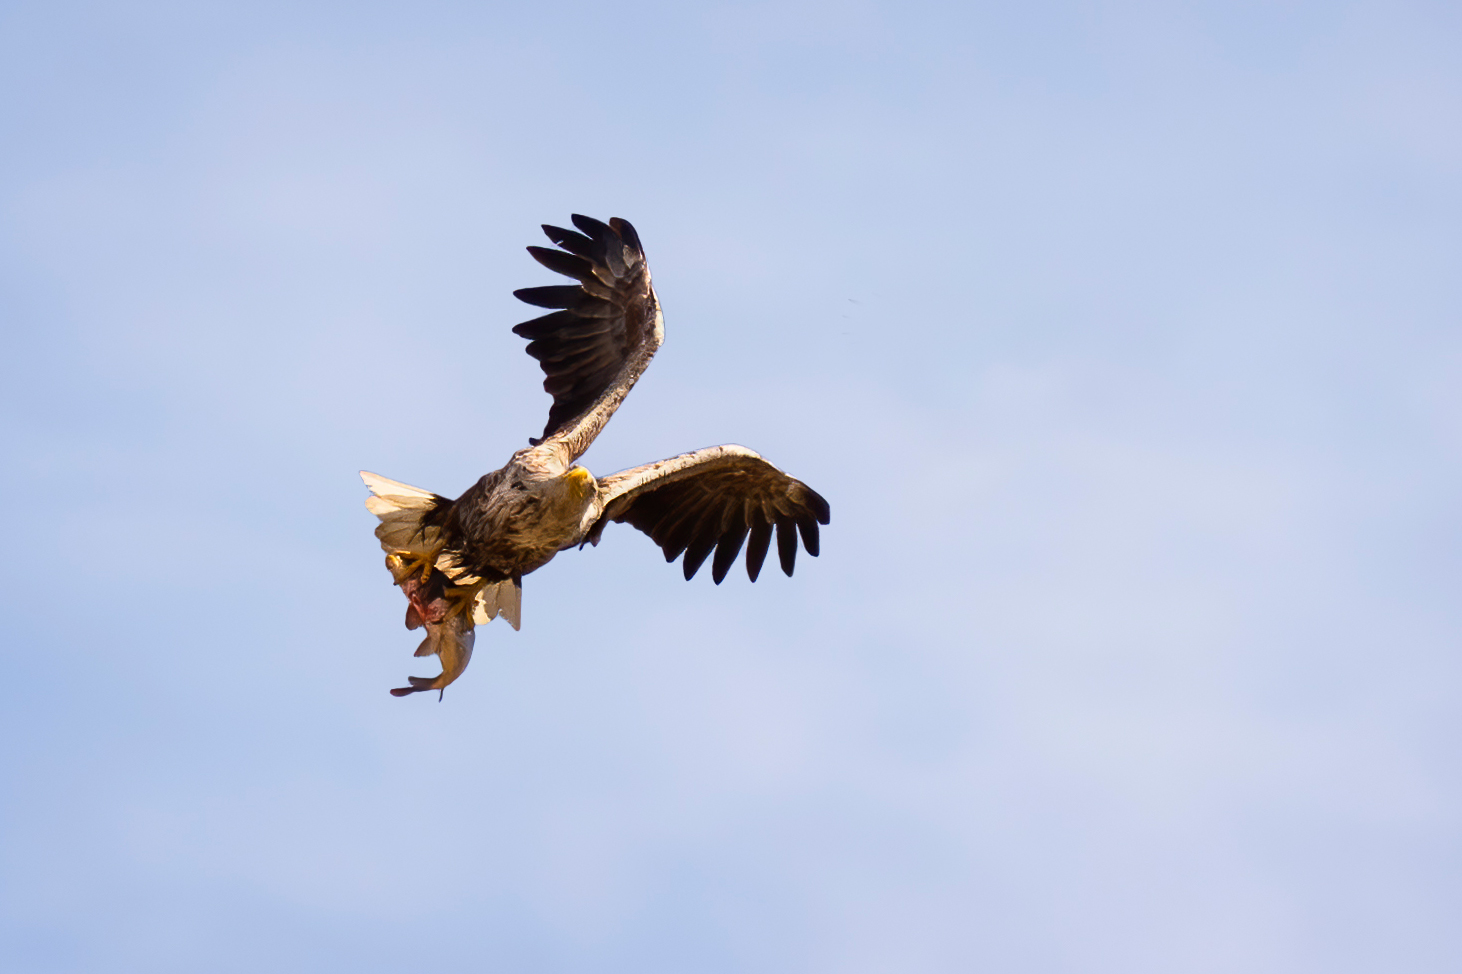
pixel 405 563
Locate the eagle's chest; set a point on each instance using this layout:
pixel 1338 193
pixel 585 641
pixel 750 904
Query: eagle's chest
pixel 515 529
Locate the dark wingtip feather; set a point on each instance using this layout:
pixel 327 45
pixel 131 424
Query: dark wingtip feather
pixel 552 296
pixel 726 551
pixel 591 226
pixel 807 527
pixel 561 263
pixel 545 325
pixel 574 243
pixel 787 544
pixel 756 548
pixel 819 506
pixel 695 557
pixel 627 233
pixel 557 234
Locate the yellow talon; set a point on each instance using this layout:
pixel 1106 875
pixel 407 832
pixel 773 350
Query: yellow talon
pixel 403 564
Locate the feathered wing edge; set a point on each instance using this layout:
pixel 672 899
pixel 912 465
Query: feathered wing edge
pixel 603 333
pixel 716 499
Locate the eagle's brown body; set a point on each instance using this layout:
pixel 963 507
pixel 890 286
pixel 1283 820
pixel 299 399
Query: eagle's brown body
pixel 514 520
pixel 461 563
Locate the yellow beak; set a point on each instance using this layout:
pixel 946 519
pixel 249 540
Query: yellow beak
pixel 581 479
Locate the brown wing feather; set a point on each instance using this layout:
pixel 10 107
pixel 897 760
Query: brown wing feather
pixel 717 507
pixel 584 345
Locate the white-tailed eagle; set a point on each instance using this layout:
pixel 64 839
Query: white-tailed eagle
pixel 461 562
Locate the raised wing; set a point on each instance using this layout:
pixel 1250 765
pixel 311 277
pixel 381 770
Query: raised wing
pixel 604 333
pixel 716 499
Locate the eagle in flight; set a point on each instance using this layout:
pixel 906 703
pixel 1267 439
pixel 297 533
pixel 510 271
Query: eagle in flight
pixel 461 562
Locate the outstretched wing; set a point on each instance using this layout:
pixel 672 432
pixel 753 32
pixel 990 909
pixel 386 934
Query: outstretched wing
pixel 715 499
pixel 606 329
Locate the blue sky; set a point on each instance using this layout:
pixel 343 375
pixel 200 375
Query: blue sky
pixel 1122 338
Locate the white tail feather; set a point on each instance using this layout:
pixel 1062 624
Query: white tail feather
pixel 392 495
pixel 400 508
pixel 496 599
pixel 403 532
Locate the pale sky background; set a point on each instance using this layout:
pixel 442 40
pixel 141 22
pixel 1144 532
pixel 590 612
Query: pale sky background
pixel 1122 338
